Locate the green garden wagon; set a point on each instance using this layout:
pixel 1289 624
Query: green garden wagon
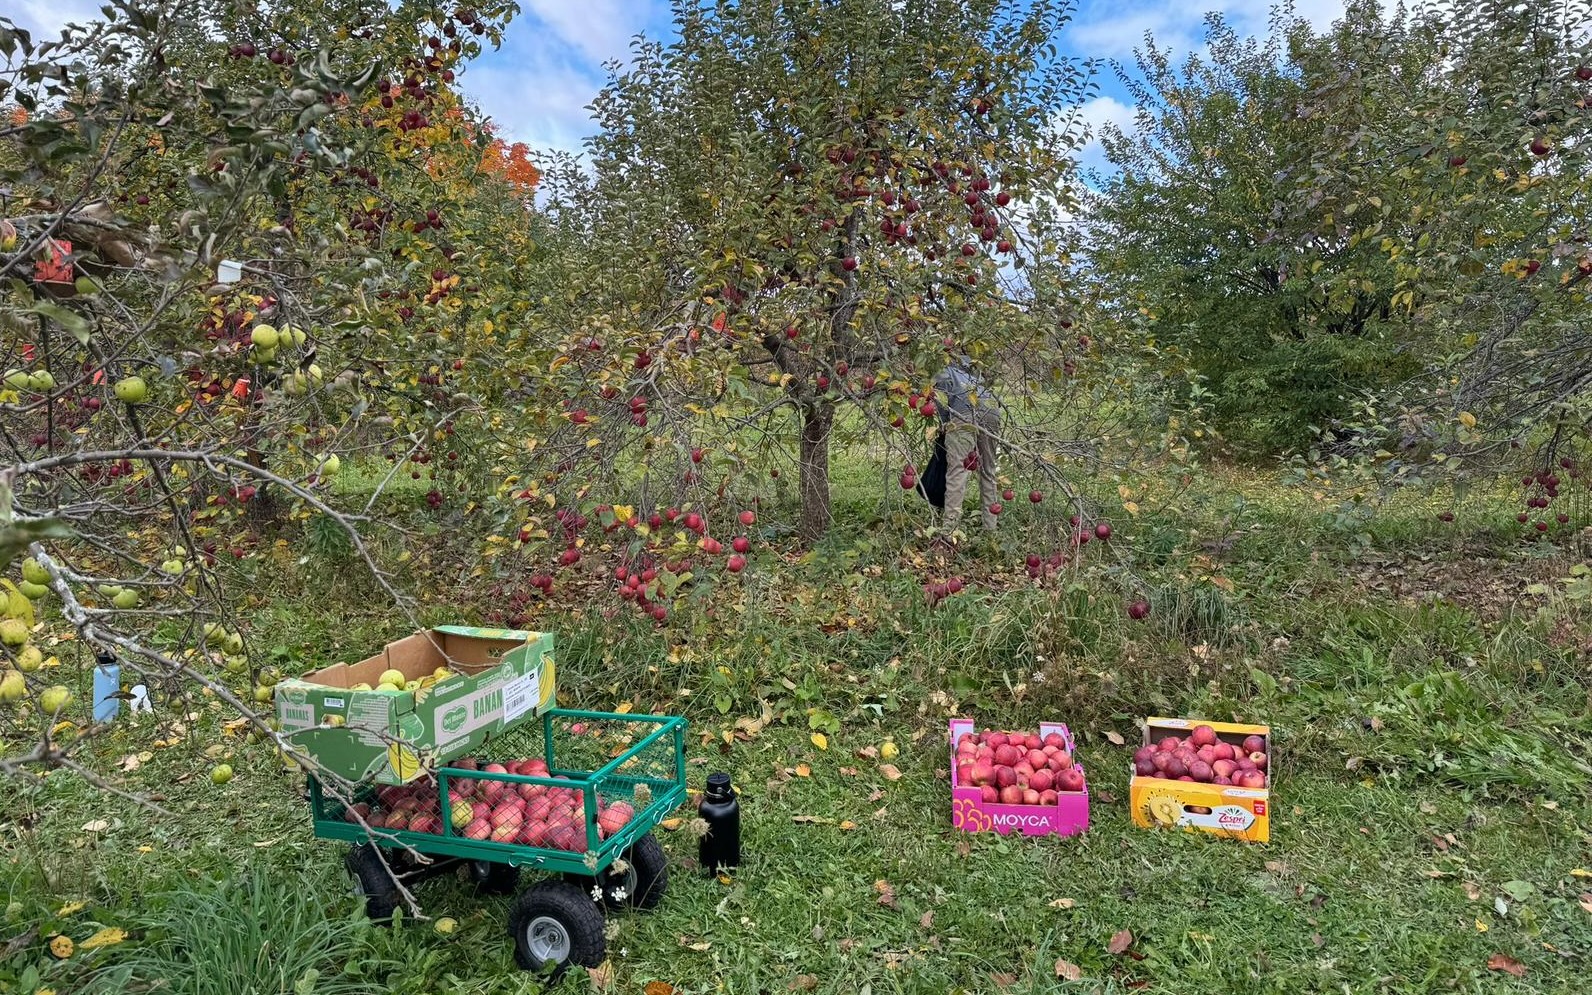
pixel 600 857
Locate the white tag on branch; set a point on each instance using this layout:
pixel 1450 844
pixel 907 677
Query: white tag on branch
pixel 140 700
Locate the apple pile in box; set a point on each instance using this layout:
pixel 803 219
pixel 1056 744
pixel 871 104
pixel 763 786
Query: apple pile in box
pixel 539 815
pixel 1017 768
pixel 1204 757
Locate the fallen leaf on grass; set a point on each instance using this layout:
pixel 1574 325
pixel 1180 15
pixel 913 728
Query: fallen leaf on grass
pixel 1062 903
pixel 964 848
pixel 868 753
pixel 1114 738
pixel 849 772
pixel 1506 964
pixel 262 844
pixel 1002 979
pixel 97 826
pixel 130 762
pixel 69 908
pixel 1471 891
pixel 672 824
pixel 847 825
pixel 815 820
pixel 1068 971
pixel 887 895
pixel 927 919
pixel 602 976
pixel 890 772
pixel 1120 941
pixel 802 770
pixel 658 988
pixel 1586 901
pixel 820 740
pixel 107 937
pixel 698 945
pixel 803 983
pixel 1481 927
pixel 1580 872
pixel 875 795
pixel 1427 808
pixel 1278 867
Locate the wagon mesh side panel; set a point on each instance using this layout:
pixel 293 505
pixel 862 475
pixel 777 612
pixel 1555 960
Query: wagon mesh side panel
pixel 603 814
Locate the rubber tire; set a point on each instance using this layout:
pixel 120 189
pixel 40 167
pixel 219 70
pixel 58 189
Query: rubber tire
pixel 652 872
pixel 375 883
pixel 644 884
pixel 493 879
pixel 573 909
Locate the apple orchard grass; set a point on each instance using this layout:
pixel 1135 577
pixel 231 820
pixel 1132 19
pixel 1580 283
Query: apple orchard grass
pixel 1430 808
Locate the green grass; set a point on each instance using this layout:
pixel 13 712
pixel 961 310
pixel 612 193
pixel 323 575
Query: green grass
pixel 1431 807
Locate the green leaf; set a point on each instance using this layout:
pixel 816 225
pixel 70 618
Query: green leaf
pixel 66 318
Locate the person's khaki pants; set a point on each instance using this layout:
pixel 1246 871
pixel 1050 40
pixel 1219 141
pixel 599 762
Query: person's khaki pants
pixel 961 439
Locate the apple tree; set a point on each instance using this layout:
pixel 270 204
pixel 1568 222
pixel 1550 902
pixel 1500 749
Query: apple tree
pixel 793 214
pixel 163 420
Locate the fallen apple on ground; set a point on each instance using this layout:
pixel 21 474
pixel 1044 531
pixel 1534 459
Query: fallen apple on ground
pixel 1017 768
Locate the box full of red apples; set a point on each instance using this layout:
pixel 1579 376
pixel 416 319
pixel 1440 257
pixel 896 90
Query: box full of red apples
pixel 1023 782
pixel 1212 777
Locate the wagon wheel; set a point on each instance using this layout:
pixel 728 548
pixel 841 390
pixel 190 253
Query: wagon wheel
pixel 556 925
pixel 640 885
pixel 372 882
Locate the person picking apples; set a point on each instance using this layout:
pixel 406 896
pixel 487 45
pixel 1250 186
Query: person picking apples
pixel 970 421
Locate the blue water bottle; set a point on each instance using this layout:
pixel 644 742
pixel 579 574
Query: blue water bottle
pixel 107 687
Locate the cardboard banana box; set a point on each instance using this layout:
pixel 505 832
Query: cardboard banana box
pixel 461 687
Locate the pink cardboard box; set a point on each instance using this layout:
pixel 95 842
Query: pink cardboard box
pixel 970 813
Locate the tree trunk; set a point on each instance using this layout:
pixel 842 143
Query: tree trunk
pixel 818 419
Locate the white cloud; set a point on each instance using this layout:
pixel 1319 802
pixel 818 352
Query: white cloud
pixel 1095 115
pixel 45 18
pixel 600 29
pixel 544 106
pixel 1114 29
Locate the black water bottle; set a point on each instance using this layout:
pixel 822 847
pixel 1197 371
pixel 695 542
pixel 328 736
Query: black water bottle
pixel 720 848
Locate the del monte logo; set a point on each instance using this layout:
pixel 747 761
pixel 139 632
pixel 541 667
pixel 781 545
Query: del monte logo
pixel 454 718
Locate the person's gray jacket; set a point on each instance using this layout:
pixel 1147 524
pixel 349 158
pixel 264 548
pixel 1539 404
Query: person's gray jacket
pixel 957 385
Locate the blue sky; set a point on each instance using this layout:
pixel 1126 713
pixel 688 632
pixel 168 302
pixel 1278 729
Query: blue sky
pixel 538 85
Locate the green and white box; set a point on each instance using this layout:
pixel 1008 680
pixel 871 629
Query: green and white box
pixel 494 680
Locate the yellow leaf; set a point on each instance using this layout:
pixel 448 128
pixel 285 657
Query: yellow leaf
pixel 672 824
pixel 69 908
pixel 486 327
pixel 847 824
pixel 1130 507
pixel 820 740
pixel 624 512
pixel 1467 419
pixel 1481 927
pixel 1580 872
pixel 107 937
pixel 445 925
pixel 802 770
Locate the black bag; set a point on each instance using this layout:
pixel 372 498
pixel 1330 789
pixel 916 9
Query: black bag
pixel 932 483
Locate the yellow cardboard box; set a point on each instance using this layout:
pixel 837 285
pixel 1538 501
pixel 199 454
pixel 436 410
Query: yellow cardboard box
pixel 1241 813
